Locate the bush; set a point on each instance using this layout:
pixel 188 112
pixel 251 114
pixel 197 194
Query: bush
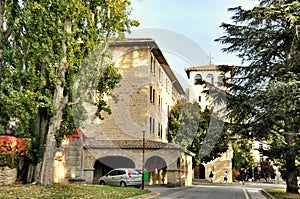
pixel 11 149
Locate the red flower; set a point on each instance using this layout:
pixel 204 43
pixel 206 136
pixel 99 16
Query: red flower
pixel 14 145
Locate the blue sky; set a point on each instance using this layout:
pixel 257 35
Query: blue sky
pixel 193 26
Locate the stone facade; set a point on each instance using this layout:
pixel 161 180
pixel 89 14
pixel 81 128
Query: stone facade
pixel 145 95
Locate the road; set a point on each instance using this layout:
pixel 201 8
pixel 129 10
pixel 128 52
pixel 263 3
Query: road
pixel 211 191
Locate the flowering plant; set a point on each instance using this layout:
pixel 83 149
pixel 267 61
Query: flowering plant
pixel 11 148
pixel 13 145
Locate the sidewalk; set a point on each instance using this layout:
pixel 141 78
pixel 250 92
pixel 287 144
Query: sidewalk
pixel 253 193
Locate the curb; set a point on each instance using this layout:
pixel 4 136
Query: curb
pixel 266 194
pixel 146 196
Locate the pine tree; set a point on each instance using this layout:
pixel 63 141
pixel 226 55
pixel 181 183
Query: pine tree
pixel 263 95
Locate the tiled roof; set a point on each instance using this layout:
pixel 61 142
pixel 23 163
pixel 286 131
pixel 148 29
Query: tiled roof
pixel 208 67
pixel 203 67
pixel 129 144
pixel 94 143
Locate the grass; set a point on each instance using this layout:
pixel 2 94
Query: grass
pixel 281 194
pixel 68 191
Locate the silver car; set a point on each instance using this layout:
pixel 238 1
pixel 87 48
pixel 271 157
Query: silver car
pixel 122 177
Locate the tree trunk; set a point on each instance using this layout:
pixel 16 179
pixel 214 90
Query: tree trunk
pixel 59 101
pixel 41 126
pixel 291 171
pixel 48 159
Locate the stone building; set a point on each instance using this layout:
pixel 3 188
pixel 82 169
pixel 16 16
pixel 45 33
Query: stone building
pixel 145 95
pixel 212 77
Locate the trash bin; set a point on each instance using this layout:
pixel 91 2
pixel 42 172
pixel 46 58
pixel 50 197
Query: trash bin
pixel 146 176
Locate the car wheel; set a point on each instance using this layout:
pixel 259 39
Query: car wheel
pixel 138 186
pixel 122 184
pixel 102 182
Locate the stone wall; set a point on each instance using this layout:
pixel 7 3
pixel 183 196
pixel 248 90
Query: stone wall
pixel 68 166
pixel 7 175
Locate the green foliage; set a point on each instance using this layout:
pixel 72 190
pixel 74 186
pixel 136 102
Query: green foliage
pixel 107 81
pixel 263 97
pixel 280 193
pixel 44 47
pixel 67 126
pixel 243 160
pixel 34 50
pixel 190 127
pixel 9 160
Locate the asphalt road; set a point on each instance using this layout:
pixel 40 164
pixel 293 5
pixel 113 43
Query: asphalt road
pixel 211 191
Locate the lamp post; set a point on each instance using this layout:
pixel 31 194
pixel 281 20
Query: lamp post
pixel 144 129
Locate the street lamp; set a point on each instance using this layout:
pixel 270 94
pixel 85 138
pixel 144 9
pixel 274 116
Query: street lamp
pixel 144 129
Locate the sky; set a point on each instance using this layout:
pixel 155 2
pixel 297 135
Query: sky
pixel 185 30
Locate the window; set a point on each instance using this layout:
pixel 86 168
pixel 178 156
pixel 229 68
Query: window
pixel 152 121
pixel 160 132
pixel 114 173
pixel 153 97
pixel 198 79
pixel 160 102
pixel 158 129
pixel 199 99
pixel 152 64
pixel 150 125
pixel 260 146
pixel 153 125
pixel 151 94
pixel 121 172
pixel 210 79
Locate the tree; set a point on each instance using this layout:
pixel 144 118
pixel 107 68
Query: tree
pixel 263 96
pixel 44 45
pixel 190 128
pixel 242 160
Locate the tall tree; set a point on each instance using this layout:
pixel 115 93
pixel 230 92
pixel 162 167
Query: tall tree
pixel 263 97
pixel 44 48
pixel 197 131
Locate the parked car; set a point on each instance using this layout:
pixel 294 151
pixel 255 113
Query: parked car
pixel 122 177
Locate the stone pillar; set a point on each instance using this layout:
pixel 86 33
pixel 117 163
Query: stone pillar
pixel 190 172
pixel 89 175
pixel 172 178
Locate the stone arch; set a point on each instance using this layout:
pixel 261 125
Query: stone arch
pixel 105 164
pixel 157 168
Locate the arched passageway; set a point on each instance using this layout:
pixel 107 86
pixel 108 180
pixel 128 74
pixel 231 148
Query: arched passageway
pixel 157 168
pixel 201 171
pixel 106 164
